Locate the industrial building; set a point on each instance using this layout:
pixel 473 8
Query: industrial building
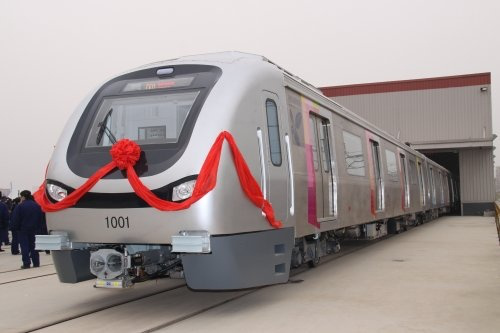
pixel 448 119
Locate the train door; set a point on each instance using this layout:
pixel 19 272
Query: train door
pixel 404 180
pixel 451 189
pixel 443 189
pixel 432 185
pixel 323 167
pixel 425 173
pixel 421 184
pixel 377 175
pixel 274 182
pixel 447 188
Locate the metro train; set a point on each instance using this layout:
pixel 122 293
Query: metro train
pixel 327 174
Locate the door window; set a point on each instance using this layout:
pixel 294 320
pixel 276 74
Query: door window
pixel 406 183
pixel 379 189
pixel 421 183
pixel 314 144
pixel 273 132
pixel 433 185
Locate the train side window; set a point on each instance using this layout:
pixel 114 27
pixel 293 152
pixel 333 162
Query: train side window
pixel 273 132
pixel 392 167
pixel 354 158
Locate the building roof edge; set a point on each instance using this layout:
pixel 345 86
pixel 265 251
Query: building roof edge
pixel 408 85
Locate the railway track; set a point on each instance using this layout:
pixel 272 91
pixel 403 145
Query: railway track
pixel 148 307
pixel 10 271
pixel 170 306
pixel 19 269
pixel 26 278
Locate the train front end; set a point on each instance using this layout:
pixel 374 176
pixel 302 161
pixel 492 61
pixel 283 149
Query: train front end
pixel 112 234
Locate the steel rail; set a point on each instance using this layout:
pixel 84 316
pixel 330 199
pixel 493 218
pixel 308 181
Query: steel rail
pixel 350 247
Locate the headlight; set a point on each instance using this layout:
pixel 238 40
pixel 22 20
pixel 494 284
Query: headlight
pixel 183 191
pixel 115 263
pixel 97 264
pixel 56 192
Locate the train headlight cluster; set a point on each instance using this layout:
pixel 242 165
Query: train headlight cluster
pixel 183 191
pixel 107 264
pixel 56 192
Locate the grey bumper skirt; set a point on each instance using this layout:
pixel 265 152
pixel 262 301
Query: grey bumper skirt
pixel 241 261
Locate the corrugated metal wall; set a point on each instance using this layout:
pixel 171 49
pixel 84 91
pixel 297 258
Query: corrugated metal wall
pixel 497 178
pixel 476 175
pixel 427 115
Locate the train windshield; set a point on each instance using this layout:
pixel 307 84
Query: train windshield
pixel 149 119
pixel 156 107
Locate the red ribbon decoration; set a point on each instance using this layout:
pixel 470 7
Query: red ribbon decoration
pixel 125 153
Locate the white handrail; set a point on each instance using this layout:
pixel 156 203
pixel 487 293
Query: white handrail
pixel 263 181
pixel 290 172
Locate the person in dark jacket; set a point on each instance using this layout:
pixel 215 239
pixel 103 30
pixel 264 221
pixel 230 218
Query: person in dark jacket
pixel 4 232
pixel 4 221
pixel 28 222
pixel 14 247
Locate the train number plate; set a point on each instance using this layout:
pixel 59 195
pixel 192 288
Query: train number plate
pixel 117 222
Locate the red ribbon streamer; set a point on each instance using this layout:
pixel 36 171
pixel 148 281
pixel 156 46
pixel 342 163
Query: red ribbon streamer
pixel 126 153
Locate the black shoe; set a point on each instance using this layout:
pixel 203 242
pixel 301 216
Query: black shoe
pixel 15 253
pixel 36 266
pixel 2 250
pixel 25 267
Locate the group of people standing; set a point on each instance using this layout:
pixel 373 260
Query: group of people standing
pixel 25 219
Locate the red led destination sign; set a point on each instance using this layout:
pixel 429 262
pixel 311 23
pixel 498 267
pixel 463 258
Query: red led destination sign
pixel 158 84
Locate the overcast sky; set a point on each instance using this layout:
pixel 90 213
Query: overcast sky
pixel 54 52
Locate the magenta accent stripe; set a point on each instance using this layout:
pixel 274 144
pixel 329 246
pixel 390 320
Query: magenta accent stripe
pixel 312 218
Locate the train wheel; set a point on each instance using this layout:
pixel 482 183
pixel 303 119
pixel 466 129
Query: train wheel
pixel 314 263
pixel 297 257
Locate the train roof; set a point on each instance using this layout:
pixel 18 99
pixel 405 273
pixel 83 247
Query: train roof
pixel 231 58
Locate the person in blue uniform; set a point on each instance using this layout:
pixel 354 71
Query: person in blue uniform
pixel 14 245
pixel 28 222
pixel 4 220
pixel 5 231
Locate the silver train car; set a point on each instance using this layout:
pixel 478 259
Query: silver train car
pixel 327 173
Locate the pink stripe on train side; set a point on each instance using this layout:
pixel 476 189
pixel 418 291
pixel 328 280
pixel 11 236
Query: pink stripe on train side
pixel 312 217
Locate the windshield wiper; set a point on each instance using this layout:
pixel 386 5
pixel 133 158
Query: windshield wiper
pixel 104 129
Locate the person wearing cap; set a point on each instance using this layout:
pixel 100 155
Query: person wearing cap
pixel 4 220
pixel 28 219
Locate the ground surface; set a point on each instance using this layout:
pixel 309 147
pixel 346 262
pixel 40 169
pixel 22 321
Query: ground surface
pixel 443 276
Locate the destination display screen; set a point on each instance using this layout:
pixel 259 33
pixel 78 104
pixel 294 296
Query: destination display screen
pixel 177 82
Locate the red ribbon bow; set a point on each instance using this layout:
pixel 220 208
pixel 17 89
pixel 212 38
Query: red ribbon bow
pixel 125 153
